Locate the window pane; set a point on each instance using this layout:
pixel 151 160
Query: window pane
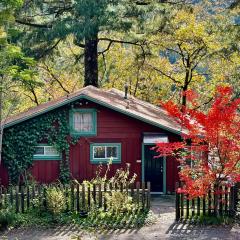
pixel 83 122
pixel 51 151
pixel 112 152
pixel 39 151
pixel 99 152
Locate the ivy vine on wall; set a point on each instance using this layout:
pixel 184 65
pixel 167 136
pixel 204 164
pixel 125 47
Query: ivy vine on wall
pixel 20 140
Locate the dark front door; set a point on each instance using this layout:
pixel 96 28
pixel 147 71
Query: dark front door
pixel 153 169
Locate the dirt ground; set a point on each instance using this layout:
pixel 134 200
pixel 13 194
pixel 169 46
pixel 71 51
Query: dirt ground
pixel 164 228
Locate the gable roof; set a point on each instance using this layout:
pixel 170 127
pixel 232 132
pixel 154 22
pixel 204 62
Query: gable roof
pixel 113 99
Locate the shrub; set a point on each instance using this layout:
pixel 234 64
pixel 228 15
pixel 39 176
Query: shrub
pixel 118 202
pixel 7 217
pixel 55 200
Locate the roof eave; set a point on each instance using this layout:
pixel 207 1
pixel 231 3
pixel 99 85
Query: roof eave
pixel 83 96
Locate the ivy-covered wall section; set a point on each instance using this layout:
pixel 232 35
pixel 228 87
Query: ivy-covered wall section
pixel 20 140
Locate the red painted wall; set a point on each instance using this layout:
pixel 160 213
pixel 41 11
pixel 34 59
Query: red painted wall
pixel 3 175
pixel 45 171
pixel 112 127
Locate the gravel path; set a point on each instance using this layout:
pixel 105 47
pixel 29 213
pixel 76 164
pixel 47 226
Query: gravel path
pixel 164 228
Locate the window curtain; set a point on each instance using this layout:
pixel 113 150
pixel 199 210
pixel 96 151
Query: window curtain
pixel 83 122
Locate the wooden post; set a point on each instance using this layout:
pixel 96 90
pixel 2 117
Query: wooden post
pixel 72 197
pixel 143 195
pixel 105 199
pixel 198 206
pixel 220 200
pixel 226 189
pixel 17 199
pixel 138 195
pixel 148 195
pixel 177 202
pixel 182 205
pixel 187 210
pixel 100 195
pixel 28 198
pixel 94 193
pixel 204 205
pixel 132 190
pixel 83 197
pixel 22 199
pixel 89 197
pixel 11 195
pixel 209 202
pixel 77 199
pixel 193 207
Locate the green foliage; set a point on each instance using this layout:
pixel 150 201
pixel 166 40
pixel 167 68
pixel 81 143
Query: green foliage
pixel 213 220
pixel 120 202
pixel 55 200
pixel 19 143
pixel 7 217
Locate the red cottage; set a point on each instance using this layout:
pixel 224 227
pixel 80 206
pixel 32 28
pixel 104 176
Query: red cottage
pixel 105 123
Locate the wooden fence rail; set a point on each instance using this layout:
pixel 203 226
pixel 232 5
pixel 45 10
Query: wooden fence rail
pixel 79 197
pixel 222 201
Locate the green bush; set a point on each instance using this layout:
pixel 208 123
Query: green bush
pixel 118 202
pixel 7 217
pixel 55 200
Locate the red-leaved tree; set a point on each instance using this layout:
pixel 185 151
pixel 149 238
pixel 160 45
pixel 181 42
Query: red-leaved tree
pixel 209 153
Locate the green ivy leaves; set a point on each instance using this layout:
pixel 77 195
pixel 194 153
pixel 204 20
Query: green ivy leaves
pixel 20 140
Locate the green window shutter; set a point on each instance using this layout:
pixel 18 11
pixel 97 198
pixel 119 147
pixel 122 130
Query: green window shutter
pixel 74 131
pixel 104 152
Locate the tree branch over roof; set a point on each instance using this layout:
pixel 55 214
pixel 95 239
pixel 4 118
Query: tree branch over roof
pixel 37 25
pixel 164 74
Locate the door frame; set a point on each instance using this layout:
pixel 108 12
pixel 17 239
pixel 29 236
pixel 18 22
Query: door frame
pixel 164 168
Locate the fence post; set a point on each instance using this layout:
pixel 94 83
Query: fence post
pixel 198 206
pixel 22 199
pixel 177 202
pixel 209 202
pixel 138 195
pixel 100 195
pixel 231 201
pixel 72 197
pixel 221 200
pixel 11 195
pixel 28 197
pixel 78 206
pixel 143 195
pixel 83 197
pixel 148 195
pixel 105 198
pixel 17 200
pixel 188 205
pixel 204 205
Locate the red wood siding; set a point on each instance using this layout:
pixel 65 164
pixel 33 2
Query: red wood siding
pixel 114 127
pixel 45 171
pixel 3 175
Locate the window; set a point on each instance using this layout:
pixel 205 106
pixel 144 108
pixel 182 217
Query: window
pixel 43 152
pixel 103 152
pixel 83 122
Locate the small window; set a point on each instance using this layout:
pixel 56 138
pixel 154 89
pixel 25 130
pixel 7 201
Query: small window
pixel 83 122
pixel 103 152
pixel 43 152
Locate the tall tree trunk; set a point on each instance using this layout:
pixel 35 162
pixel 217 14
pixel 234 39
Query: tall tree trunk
pixel 91 60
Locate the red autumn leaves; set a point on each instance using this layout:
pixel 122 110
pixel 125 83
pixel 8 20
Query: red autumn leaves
pixel 210 151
